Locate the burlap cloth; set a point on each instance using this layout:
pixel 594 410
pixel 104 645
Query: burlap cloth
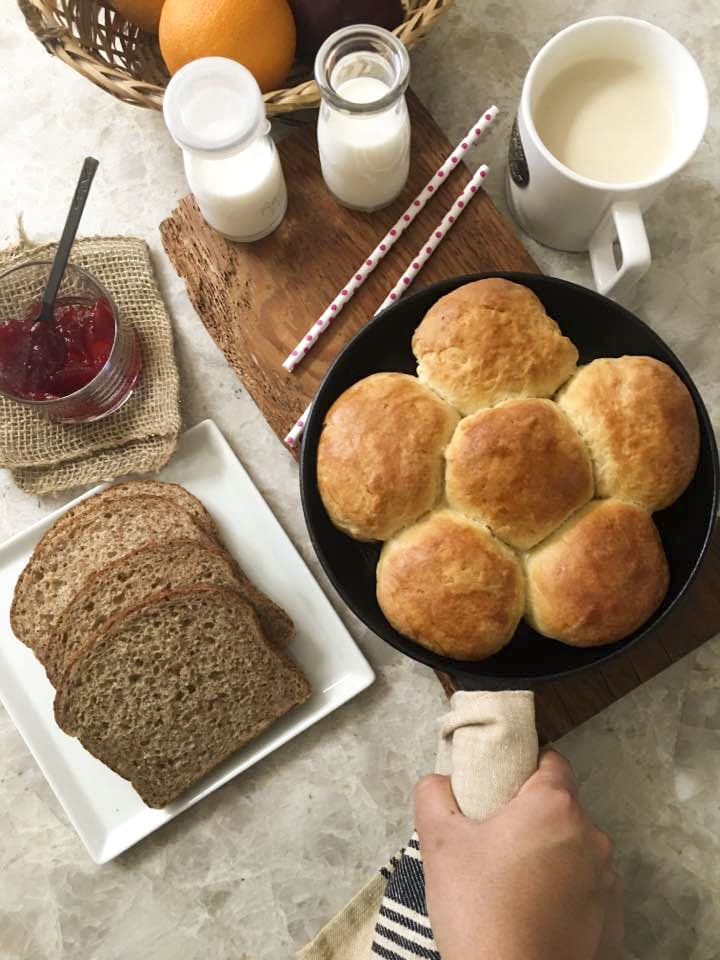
pixel 488 746
pixel 44 456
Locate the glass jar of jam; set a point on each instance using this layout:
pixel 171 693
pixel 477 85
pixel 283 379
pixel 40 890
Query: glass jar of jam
pixel 95 373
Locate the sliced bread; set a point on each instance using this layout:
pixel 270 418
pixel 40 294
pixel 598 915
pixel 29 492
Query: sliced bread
pixel 174 686
pixel 172 492
pixel 152 569
pixel 60 565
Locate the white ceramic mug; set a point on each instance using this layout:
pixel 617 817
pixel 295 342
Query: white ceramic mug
pixel 561 208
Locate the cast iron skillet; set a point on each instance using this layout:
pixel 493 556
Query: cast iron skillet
pixel 599 328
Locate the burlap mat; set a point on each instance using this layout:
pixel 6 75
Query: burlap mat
pixel 140 437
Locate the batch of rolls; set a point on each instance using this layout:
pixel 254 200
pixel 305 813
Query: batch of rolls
pixel 508 482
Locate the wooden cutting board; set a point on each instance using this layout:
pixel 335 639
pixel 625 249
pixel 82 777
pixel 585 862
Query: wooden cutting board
pixel 258 300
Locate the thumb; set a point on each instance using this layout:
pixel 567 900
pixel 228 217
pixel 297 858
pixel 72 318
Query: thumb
pixel 434 802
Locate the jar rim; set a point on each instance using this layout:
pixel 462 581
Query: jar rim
pixel 372 33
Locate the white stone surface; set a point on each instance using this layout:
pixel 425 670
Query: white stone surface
pixel 254 870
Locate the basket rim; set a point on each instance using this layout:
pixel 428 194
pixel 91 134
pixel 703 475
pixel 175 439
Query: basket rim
pixel 60 42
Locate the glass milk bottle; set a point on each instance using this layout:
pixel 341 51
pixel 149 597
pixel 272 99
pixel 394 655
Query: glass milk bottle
pixel 215 112
pixel 363 125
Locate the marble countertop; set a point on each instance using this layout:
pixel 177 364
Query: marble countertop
pixel 255 869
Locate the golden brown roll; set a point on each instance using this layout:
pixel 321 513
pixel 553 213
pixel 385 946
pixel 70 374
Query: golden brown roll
pixel 520 468
pixel 380 457
pixel 488 341
pixel 448 584
pixel 598 578
pixel 639 423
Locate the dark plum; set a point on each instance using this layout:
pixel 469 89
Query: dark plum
pixel 317 19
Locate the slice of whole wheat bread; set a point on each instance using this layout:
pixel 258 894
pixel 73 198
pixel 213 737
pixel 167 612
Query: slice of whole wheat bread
pixel 59 566
pixel 172 492
pixel 152 569
pixel 174 686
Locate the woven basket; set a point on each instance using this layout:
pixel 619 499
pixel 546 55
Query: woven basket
pixel 117 56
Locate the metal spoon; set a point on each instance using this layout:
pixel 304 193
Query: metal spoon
pixel 45 338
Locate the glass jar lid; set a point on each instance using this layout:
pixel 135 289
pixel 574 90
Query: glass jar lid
pixel 214 104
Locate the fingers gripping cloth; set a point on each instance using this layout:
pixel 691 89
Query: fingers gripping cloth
pixel 488 746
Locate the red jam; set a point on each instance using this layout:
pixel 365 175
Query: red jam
pixel 31 366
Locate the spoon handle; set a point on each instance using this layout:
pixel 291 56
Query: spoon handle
pixel 68 235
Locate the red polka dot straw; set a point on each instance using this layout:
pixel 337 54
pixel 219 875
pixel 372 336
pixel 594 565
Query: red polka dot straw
pixel 373 259
pixel 435 238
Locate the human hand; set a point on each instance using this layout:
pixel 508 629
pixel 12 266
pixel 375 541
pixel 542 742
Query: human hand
pixel 533 882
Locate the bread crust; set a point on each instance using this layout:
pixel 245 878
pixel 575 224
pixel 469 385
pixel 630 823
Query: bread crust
pixel 163 489
pixel 152 797
pixel 276 624
pixel 639 423
pixel 380 457
pixel 25 608
pixel 520 468
pixel 451 586
pixel 489 341
pixel 599 577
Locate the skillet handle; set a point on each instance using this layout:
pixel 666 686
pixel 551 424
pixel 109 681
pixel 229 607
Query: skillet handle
pixel 489 747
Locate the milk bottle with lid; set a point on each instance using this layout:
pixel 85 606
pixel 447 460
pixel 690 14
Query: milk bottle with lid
pixel 215 112
pixel 363 126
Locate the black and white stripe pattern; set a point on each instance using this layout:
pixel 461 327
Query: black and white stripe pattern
pixel 403 930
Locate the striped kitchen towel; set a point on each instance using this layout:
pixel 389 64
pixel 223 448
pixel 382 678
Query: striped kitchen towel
pixel 488 746
pixel 402 928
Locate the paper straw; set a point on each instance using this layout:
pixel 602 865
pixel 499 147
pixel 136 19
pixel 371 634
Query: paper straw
pixel 436 237
pixel 414 268
pixel 324 321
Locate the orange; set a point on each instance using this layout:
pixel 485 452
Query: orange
pixel 260 34
pixel 144 13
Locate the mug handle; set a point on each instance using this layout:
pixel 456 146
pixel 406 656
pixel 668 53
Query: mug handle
pixel 623 220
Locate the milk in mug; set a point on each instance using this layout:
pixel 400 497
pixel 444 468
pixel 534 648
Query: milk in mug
pixel 611 120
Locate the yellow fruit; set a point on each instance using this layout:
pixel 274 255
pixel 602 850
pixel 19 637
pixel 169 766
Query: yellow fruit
pixel 260 34
pixel 144 13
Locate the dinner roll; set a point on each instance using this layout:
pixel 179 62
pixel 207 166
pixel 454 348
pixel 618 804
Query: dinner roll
pixel 380 457
pixel 490 341
pixel 520 468
pixel 639 422
pixel 448 584
pixel 599 577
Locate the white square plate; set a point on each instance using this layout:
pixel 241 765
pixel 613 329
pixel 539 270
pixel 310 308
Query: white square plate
pixel 104 809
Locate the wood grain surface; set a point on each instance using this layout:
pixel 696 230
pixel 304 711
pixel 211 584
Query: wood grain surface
pixel 257 300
